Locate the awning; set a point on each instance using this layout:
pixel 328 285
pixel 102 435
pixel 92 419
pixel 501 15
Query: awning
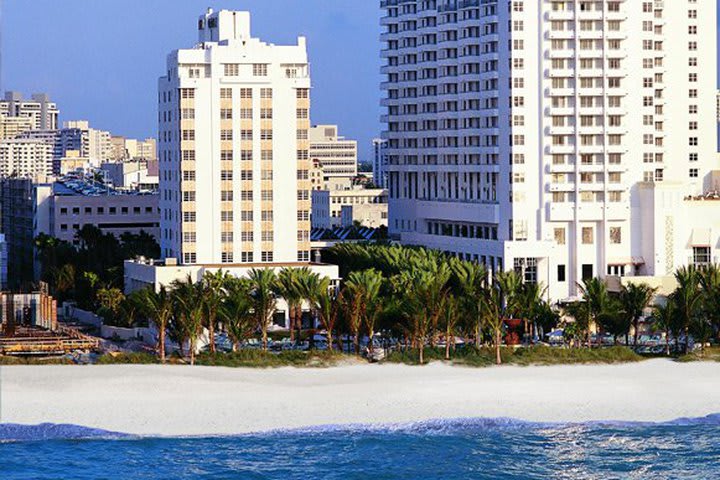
pixel 700 237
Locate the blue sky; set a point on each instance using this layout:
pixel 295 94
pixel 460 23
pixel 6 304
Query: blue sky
pixel 100 59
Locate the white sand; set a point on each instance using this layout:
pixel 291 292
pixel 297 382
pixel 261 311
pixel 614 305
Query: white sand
pixel 178 400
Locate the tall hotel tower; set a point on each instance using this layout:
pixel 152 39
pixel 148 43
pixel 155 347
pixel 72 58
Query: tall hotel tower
pixel 233 146
pixel 525 134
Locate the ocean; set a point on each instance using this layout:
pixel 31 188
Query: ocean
pixel 461 449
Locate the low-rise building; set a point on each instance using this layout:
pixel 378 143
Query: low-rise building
pixel 133 174
pixel 142 273
pixel 75 205
pixel 366 206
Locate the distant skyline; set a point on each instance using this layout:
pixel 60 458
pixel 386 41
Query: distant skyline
pixel 100 60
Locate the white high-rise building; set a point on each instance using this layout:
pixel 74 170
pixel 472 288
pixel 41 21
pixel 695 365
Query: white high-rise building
pixel 523 134
pixel 233 148
pixel 42 112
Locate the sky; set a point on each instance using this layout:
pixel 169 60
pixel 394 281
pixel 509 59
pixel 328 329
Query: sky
pixel 100 59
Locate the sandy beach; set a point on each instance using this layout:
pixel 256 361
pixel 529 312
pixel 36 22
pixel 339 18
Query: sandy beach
pixel 179 400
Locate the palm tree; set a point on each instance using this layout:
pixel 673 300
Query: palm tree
pixel 263 285
pixel 581 313
pixel 687 298
pixel 492 308
pixel 188 306
pixel 471 281
pixel 327 305
pixel 364 287
pixel 351 301
pixel 664 316
pixel 158 306
pixel 710 286
pixel 288 287
pixel 531 305
pixel 213 294
pixel 635 298
pixel 451 318
pixel 237 311
pixel 595 294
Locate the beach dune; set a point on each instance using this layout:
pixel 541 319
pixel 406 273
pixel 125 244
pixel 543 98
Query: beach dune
pixel 180 400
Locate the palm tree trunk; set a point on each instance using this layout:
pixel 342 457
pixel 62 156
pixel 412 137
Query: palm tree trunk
pixel 264 336
pixel 161 341
pixel 636 324
pixel 370 341
pixel 291 312
pixel 498 339
pixel 478 343
pixel 357 342
pixel 421 350
pixel 211 332
pixel 329 340
pixel 192 351
pixel 447 344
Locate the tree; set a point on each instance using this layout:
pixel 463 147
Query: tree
pixel 111 300
pixel 635 298
pixel 236 311
pixel 288 286
pixel 710 287
pixel 213 293
pixel 471 281
pixel 188 307
pixel 595 294
pixel 451 317
pixel 263 283
pixel 664 316
pixel 687 298
pixel 327 305
pixel 157 305
pixel 492 308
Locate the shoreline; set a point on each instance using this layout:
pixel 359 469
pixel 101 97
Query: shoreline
pixel 174 400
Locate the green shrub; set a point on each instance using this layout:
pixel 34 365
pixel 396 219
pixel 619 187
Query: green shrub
pixel 128 358
pixel 258 359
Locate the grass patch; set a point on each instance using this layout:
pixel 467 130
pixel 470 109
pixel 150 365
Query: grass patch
pixel 538 355
pixel 711 354
pixel 258 359
pixel 128 359
pixel 9 360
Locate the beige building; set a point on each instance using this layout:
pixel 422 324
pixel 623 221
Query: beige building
pixel 336 155
pixel 233 148
pixel 367 206
pixel 11 127
pixel 26 158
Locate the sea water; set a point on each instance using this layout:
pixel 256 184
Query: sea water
pixel 461 449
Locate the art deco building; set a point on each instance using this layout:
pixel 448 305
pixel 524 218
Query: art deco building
pixel 234 116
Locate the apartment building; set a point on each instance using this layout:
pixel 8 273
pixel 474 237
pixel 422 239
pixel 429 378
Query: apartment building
pixel 91 143
pixel 520 132
pixel 39 109
pixel 25 158
pixel 233 148
pixel 337 155
pixel 11 127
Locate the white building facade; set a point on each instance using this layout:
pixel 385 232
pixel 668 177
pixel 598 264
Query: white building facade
pixel 336 154
pixel 26 158
pixel 520 133
pixel 233 147
pixel 379 163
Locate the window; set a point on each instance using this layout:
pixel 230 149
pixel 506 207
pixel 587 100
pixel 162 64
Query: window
pixel 587 236
pixel 561 276
pixel 615 235
pixel 227 257
pixel 266 93
pixel 226 175
pixel 226 93
pixel 189 257
pixel 266 215
pixel 226 196
pixel 266 256
pixel 701 256
pixel 189 217
pixel 587 271
pixel 303 256
pixel 246 257
pixel 267 236
pixel 226 237
pixel 246 216
pixel 247 236
pixel 231 69
pixel 189 237
pixel 246 93
pixel 693 173
pixel 260 70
